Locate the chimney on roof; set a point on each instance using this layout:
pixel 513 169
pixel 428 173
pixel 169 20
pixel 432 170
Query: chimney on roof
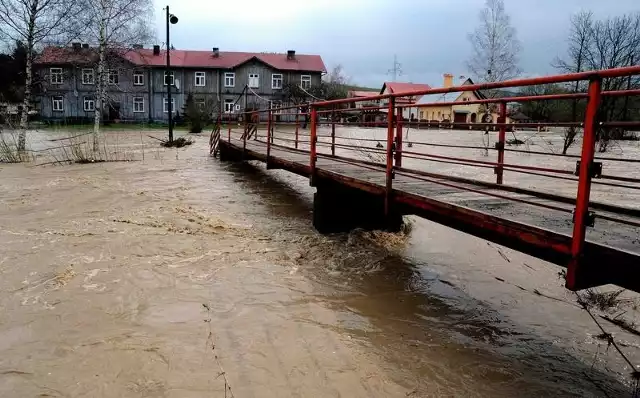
pixel 137 46
pixel 291 54
pixel 216 52
pixel 156 50
pixel 448 80
pixel 85 45
pixel 76 46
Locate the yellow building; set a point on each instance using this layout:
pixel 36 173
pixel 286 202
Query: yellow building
pixel 451 107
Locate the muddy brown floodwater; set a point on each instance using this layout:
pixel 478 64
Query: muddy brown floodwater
pixel 168 276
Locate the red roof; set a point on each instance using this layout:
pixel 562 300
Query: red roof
pixel 398 88
pixel 188 58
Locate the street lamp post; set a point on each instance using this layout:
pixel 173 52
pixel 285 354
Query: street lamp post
pixel 171 19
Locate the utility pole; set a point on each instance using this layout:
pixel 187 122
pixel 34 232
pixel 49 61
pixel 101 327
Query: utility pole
pixel 168 82
pixel 397 68
pixel 171 19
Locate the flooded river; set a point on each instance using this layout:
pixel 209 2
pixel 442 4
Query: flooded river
pixel 181 276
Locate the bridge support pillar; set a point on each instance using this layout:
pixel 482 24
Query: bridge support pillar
pixel 229 155
pixel 337 208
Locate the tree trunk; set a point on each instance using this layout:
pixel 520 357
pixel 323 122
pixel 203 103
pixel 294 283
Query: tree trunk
pixel 26 102
pixel 99 88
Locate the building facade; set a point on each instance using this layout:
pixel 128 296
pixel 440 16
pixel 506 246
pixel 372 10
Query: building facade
pixel 455 107
pixel 137 82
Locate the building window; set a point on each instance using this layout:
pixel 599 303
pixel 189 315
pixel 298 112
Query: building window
pixel 228 106
pixel 200 103
pixel 138 78
pixel 89 104
pixel 57 103
pixel 169 78
pixel 138 104
pixel 113 76
pixel 87 76
pixel 254 80
pixel 166 103
pixel 305 81
pixel 229 79
pixel 421 114
pixel 276 81
pixel 200 79
pixel 56 76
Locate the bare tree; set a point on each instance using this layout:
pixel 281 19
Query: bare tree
pixel 604 44
pixel 580 37
pixel 114 25
pixel 495 45
pixel 334 85
pixel 32 22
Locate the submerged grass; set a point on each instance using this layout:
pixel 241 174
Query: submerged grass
pixel 9 152
pixel 86 148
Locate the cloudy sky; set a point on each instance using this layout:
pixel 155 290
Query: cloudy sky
pixel 429 37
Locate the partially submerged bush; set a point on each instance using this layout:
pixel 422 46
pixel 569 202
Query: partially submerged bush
pixel 177 143
pixel 602 301
pixel 197 114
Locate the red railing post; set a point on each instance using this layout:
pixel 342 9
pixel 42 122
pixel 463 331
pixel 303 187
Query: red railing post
pixel 269 135
pixel 399 138
pixel 584 184
pixel 297 125
pixel 333 132
pixel 313 139
pixel 502 118
pixel 389 170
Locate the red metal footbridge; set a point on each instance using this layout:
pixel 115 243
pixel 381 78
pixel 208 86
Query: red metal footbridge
pixel 580 210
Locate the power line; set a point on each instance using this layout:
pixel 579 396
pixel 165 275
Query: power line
pixel 397 68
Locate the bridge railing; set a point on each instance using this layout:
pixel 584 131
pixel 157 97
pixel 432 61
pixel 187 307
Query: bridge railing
pixel 442 152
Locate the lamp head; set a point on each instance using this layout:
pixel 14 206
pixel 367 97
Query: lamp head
pixel 173 19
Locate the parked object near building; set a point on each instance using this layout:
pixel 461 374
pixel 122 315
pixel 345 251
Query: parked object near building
pixel 137 81
pixel 11 112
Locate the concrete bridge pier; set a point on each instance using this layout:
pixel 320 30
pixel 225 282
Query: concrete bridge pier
pixel 229 155
pixel 337 208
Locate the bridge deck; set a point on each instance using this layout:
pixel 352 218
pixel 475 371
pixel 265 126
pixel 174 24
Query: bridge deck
pixel 466 206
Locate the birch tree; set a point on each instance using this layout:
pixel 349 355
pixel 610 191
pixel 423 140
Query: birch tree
pixel 33 22
pixel 495 45
pixel 114 25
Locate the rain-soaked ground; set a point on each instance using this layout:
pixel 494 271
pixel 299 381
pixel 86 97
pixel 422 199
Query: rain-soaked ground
pixel 177 274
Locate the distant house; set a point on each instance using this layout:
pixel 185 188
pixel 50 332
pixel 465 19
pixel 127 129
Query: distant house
pixel 363 95
pixel 453 107
pixel 137 80
pixel 400 88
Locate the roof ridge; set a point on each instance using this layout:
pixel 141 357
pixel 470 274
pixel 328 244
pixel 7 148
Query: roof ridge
pixel 189 58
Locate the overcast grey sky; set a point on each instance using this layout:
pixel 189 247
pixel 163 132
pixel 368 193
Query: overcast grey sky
pixel 428 36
